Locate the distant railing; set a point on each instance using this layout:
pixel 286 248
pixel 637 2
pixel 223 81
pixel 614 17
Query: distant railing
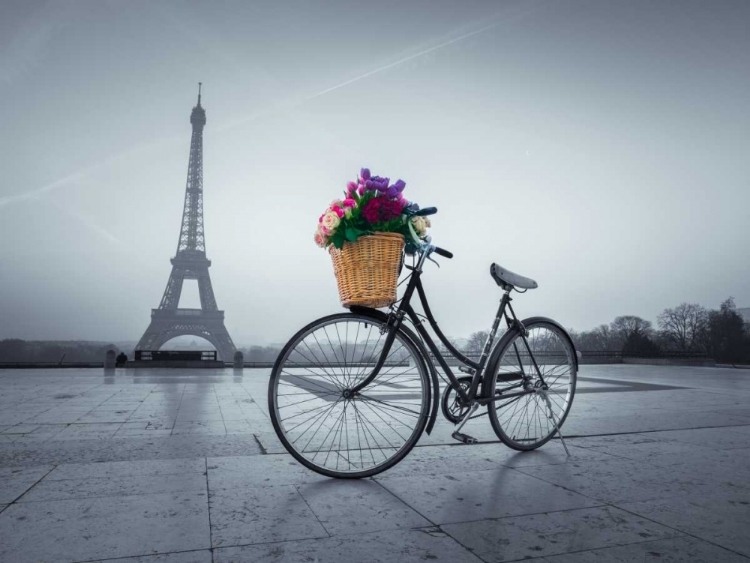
pixel 45 365
pixel 660 354
pixel 175 355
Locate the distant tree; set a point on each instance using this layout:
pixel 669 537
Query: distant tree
pixel 476 341
pixel 598 339
pixel 724 337
pixel 641 345
pixel 683 327
pixel 14 350
pixel 629 325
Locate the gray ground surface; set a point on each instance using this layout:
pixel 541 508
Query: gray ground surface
pixel 184 467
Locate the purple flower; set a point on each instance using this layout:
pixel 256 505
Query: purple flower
pixel 395 189
pixel 377 183
pixel 364 173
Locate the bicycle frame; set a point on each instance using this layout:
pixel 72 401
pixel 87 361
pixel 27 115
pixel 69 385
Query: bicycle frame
pixel 476 369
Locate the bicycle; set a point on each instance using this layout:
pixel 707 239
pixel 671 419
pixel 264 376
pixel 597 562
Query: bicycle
pixel 351 393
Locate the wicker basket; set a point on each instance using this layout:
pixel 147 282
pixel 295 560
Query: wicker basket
pixel 367 270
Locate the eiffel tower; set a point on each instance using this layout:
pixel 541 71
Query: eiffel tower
pixel 190 262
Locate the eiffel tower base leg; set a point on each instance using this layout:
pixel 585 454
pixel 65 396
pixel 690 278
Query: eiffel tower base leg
pixel 162 330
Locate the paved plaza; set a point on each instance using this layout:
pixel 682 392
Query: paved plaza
pixel 176 466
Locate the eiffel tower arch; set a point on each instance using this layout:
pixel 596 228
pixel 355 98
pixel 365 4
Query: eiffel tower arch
pixel 190 262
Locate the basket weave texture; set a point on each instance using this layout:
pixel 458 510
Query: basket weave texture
pixel 367 270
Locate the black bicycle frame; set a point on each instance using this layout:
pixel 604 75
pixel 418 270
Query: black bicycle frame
pixel 396 318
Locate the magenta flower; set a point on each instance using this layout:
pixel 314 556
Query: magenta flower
pixel 349 202
pixel 350 187
pixel 337 210
pixel 371 210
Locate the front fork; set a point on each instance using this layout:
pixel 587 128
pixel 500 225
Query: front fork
pixel 392 328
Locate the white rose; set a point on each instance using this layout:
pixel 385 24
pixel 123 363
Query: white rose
pixel 420 225
pixel 330 220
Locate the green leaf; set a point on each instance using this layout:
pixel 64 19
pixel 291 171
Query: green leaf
pixel 338 238
pixel 351 234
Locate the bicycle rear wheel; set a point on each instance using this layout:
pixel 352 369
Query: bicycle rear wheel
pixel 323 425
pixel 524 423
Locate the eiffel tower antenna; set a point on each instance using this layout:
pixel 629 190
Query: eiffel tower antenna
pixel 190 262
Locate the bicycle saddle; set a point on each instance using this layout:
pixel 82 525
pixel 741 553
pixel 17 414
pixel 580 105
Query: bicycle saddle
pixel 506 277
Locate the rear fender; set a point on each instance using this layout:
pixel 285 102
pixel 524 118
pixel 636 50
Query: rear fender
pixel 434 396
pixel 531 320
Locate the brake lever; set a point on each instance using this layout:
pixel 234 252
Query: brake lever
pixel 433 261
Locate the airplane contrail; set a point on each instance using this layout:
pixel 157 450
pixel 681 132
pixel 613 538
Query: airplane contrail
pixel 296 102
pixel 81 174
pixel 86 221
pixel 402 61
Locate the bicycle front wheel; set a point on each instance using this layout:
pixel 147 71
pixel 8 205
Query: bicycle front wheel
pixel 544 363
pixel 327 428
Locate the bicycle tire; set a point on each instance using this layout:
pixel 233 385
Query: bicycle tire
pixel 523 423
pixel 370 432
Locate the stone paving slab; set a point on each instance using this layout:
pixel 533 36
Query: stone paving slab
pixel 261 515
pixel 14 481
pixel 120 469
pixel 358 506
pixel 203 556
pixel 129 485
pixel 257 471
pixel 722 519
pixel 477 495
pixel 673 550
pixel 621 480
pixel 404 546
pixel 164 467
pixel 522 537
pixel 104 528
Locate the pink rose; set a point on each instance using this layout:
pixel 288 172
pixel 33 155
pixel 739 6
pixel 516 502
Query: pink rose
pixel 320 239
pixel 338 211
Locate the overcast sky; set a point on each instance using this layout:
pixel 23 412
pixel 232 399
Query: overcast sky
pixel 598 147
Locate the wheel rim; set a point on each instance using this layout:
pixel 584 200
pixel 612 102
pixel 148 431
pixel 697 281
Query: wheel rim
pixel 330 428
pixel 525 422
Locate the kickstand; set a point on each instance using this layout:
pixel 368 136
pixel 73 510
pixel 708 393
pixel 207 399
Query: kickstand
pixel 551 416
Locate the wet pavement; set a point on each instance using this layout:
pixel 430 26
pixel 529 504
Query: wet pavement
pixel 184 467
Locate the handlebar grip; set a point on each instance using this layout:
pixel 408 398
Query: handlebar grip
pixel 426 211
pixel 443 252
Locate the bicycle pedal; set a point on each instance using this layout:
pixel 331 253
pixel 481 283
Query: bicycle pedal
pixel 465 438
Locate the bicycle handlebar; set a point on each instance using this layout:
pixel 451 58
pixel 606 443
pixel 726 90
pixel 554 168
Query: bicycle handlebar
pixel 426 211
pixel 426 246
pixel 443 252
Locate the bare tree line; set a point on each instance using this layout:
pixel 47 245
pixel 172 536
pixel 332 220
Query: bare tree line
pixel 720 333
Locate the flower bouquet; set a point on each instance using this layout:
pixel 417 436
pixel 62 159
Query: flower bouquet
pixel 366 234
